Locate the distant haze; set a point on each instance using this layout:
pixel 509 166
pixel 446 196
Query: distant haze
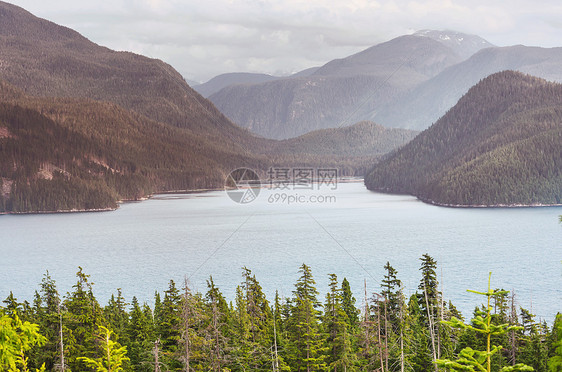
pixel 280 37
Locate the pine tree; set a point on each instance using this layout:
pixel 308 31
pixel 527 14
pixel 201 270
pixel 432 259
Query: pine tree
pixel 308 350
pixel 140 333
pixel 169 326
pixel 555 361
pixel 422 356
pixel 218 326
pixel 116 315
pixel 476 360
pixel 428 300
pixel 84 315
pixel 348 305
pixel 391 292
pixel 114 356
pixel 336 326
pixel 49 316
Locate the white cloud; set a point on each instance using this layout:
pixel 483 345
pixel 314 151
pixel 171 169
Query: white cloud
pixel 203 39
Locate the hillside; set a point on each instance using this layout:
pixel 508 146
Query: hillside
pixel 501 144
pixel 77 154
pixel 341 92
pixel 361 139
pixel 48 60
pixel 82 126
pixel 351 149
pixel 422 106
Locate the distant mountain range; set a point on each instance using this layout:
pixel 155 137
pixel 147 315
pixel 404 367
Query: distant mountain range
pixel 423 105
pixel 235 78
pixel 82 126
pixel 501 144
pixel 239 78
pixel 345 91
pixel 408 82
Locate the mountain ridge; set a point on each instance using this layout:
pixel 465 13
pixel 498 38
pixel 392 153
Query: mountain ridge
pixel 499 145
pixel 341 92
pixel 427 102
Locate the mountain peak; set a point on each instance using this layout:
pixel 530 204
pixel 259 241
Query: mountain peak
pixel 465 45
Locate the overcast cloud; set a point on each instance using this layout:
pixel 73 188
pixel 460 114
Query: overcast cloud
pixel 205 38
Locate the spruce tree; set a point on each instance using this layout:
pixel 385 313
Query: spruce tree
pixel 555 361
pixel 308 349
pixel 336 326
pixel 348 305
pixel 84 315
pixel 168 326
pixel 481 360
pixel 140 333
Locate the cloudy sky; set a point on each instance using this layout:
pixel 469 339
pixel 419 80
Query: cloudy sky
pixel 204 38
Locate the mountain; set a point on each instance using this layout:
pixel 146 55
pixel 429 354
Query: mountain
pixel 59 154
pixel 221 81
pixel 501 144
pixel 82 126
pixel 352 149
pixel 306 72
pixel 79 154
pixel 423 105
pixel 361 139
pixel 463 44
pixel 48 60
pixel 341 92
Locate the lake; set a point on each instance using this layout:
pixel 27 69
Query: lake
pixel 349 231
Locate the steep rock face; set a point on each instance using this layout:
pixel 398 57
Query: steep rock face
pixel 343 91
pixel 501 144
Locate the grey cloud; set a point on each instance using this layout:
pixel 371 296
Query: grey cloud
pixel 203 39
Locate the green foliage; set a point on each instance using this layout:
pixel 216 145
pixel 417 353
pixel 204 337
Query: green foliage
pixel 499 145
pixel 305 333
pixel 114 355
pixel 555 361
pixel 481 360
pixel 17 338
pixel 205 333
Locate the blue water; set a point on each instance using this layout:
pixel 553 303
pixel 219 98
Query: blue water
pixel 141 246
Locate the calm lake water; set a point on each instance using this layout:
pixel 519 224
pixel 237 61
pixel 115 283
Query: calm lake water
pixel 352 233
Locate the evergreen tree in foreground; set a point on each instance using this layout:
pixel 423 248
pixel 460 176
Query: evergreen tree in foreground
pixel 481 360
pixel 555 361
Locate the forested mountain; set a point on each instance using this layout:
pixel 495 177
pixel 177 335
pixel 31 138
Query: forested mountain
pixel 77 154
pixel 341 330
pixel 422 106
pixel 501 144
pixel 341 92
pixel 45 59
pixel 352 150
pixel 361 139
pixel 82 126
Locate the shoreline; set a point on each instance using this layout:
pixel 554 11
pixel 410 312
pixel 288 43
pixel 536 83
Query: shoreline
pixel 111 209
pixel 467 206
pixel 481 206
pixel 347 180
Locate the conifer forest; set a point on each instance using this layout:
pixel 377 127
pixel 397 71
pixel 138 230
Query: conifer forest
pixel 342 330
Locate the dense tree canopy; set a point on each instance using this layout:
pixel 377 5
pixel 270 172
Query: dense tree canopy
pixel 203 332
